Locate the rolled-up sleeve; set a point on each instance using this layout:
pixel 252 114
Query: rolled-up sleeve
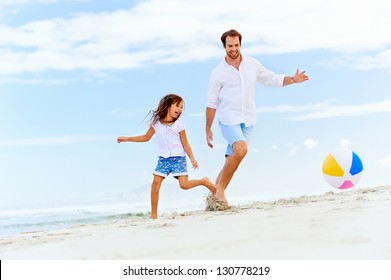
pixel 269 78
pixel 213 92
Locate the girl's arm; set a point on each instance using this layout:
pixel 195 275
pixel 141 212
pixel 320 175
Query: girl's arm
pixel 187 148
pixel 141 138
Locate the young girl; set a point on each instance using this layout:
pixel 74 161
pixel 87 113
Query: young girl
pixel 173 147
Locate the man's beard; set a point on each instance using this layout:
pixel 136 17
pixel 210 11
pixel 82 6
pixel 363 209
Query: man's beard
pixel 234 55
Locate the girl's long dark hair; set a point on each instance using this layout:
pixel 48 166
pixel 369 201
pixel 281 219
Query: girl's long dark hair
pixel 162 109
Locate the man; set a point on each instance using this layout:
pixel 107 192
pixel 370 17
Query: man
pixel 231 96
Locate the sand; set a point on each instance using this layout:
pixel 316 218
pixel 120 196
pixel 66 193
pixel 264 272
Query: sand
pixel 353 224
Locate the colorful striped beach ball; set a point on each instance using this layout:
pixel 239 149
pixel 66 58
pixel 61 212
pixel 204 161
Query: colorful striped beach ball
pixel 342 168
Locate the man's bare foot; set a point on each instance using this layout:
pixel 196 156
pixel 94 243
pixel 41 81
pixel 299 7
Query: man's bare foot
pixel 212 204
pixel 220 195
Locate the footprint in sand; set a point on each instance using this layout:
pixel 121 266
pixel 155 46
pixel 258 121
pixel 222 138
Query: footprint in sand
pixel 162 225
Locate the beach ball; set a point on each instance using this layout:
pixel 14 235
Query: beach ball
pixel 342 168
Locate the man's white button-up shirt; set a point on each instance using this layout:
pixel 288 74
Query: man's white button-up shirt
pixel 232 92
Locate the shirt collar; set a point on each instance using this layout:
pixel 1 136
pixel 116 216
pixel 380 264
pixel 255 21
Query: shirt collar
pixel 244 58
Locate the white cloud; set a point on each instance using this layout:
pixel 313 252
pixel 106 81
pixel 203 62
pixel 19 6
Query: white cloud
pixel 11 6
pixel 376 60
pixel 332 111
pixel 328 110
pixel 385 162
pixel 175 31
pixel 345 143
pixel 31 81
pixel 310 143
pixel 50 141
pixel 292 152
pixel 292 149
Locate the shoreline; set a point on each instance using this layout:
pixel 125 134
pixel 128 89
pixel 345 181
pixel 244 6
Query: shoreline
pixel 352 224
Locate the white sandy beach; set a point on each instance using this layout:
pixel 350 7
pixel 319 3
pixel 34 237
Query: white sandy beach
pixel 353 224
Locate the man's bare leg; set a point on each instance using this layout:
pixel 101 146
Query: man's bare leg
pixel 231 165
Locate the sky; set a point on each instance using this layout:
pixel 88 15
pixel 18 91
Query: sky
pixel 76 74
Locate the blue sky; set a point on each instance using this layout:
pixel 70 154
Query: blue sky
pixel 74 75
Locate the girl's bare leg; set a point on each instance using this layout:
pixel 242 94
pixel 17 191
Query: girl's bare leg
pixel 155 187
pixel 185 184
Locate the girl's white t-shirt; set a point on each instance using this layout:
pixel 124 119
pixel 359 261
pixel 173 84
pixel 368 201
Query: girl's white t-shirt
pixel 169 142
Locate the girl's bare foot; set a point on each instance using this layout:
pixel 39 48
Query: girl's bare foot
pixel 208 183
pixel 153 216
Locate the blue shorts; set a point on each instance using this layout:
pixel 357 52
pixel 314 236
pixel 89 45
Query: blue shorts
pixel 175 165
pixel 235 133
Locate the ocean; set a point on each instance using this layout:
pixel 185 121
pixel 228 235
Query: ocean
pixel 41 218
pixel 17 221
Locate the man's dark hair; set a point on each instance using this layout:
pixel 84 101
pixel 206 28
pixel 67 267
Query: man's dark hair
pixel 231 33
